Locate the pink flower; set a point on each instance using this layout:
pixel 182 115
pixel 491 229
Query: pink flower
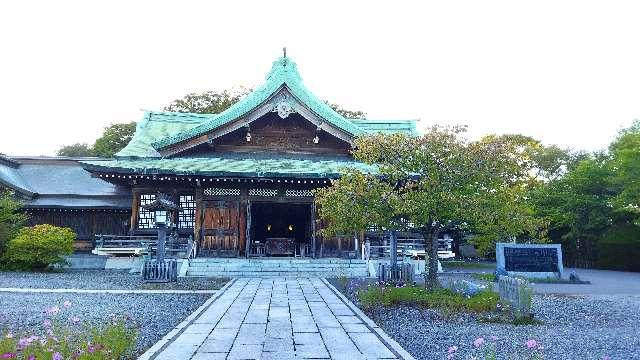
pixel 66 304
pixel 9 355
pixel 46 323
pixel 531 344
pixel 56 356
pixel 53 310
pixel 24 342
pixel 478 342
pixel 452 349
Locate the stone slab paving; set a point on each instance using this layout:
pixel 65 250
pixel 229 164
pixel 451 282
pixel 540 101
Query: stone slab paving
pixel 272 318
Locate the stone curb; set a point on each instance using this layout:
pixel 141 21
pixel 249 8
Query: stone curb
pixel 386 339
pixel 157 348
pixel 106 291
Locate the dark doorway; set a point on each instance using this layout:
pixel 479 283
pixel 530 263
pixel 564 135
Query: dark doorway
pixel 282 221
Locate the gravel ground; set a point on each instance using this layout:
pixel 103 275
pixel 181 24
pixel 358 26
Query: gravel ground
pixel 100 279
pixel 574 327
pixel 156 314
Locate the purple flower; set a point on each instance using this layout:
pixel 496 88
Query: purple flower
pixel 478 342
pixel 66 304
pixel 9 355
pixel 56 356
pixel 74 319
pixel 24 342
pixel 91 349
pixel 531 344
pixel 52 310
pixel 606 357
pixel 493 338
pixel 31 357
pixel 452 349
pixel 46 323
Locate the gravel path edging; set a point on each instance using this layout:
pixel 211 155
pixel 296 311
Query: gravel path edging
pixel 154 350
pixel 106 291
pixel 386 339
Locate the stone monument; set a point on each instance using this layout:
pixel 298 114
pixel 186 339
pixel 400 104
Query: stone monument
pixel 530 260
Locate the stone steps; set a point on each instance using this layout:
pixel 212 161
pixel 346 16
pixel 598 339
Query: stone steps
pixel 202 267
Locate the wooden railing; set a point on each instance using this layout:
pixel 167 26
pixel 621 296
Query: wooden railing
pixel 144 245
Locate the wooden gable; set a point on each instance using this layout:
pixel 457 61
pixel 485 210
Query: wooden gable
pixel 282 124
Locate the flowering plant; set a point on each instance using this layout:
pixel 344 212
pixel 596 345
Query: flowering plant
pixel 68 338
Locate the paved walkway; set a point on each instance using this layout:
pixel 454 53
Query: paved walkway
pixel 280 319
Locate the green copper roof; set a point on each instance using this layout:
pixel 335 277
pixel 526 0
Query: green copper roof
pixel 386 126
pixel 232 166
pixel 283 73
pixel 158 125
pixel 161 129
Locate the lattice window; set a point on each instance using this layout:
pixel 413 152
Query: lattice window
pixel 263 192
pixel 221 192
pixel 187 216
pixel 145 217
pixel 298 193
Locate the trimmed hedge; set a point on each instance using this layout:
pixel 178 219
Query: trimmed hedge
pixel 619 249
pixel 38 247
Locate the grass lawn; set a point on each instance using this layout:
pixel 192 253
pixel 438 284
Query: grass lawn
pixel 458 264
pixel 442 299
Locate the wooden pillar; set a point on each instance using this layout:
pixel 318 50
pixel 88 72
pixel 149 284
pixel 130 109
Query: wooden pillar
pixel 135 206
pixel 243 215
pixel 198 215
pixel 313 229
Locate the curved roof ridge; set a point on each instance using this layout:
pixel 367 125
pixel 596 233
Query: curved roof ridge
pixel 283 72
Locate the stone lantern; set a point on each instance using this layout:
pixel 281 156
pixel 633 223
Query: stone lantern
pixel 161 269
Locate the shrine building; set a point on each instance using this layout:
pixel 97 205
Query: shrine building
pixel 243 178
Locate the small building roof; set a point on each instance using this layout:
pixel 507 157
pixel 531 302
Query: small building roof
pixel 51 182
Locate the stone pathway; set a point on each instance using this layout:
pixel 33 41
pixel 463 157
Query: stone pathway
pixel 280 319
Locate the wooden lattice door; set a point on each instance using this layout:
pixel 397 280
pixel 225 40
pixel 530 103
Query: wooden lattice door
pixel 220 229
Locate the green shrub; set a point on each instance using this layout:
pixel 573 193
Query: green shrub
pixel 443 299
pixel 619 249
pixel 11 219
pixel 37 247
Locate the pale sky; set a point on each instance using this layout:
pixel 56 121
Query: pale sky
pixel 565 72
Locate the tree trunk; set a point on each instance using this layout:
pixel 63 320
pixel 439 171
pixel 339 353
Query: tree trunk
pixel 431 250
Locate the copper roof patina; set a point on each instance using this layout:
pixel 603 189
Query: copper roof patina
pixel 158 130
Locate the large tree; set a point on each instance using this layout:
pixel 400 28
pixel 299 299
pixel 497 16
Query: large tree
pixel 76 150
pixel 208 102
pixel 438 181
pixel 114 138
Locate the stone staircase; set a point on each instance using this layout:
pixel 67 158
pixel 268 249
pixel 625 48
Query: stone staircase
pixel 275 267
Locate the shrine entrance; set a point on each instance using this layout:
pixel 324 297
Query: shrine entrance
pixel 220 229
pixel 280 229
